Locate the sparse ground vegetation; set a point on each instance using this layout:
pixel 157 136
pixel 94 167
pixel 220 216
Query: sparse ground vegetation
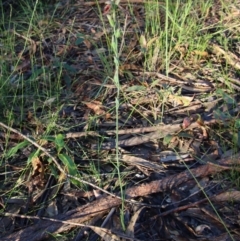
pixel 119 120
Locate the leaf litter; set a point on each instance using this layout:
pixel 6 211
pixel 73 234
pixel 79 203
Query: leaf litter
pixel 172 156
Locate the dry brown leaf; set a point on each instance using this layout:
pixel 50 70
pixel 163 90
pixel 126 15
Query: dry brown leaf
pixel 38 172
pixel 186 122
pixel 182 49
pixel 96 106
pixel 200 53
pixel 143 42
pixel 174 142
pixel 38 168
pixel 87 43
pixel 62 49
pixel 177 100
pixel 105 234
pixel 107 116
pixel 128 67
pixel 132 223
pixel 205 134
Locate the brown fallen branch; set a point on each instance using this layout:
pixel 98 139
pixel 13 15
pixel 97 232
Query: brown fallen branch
pixel 137 140
pixel 119 132
pixel 176 82
pixel 96 133
pixel 69 135
pixel 141 130
pixel 105 2
pixel 43 229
